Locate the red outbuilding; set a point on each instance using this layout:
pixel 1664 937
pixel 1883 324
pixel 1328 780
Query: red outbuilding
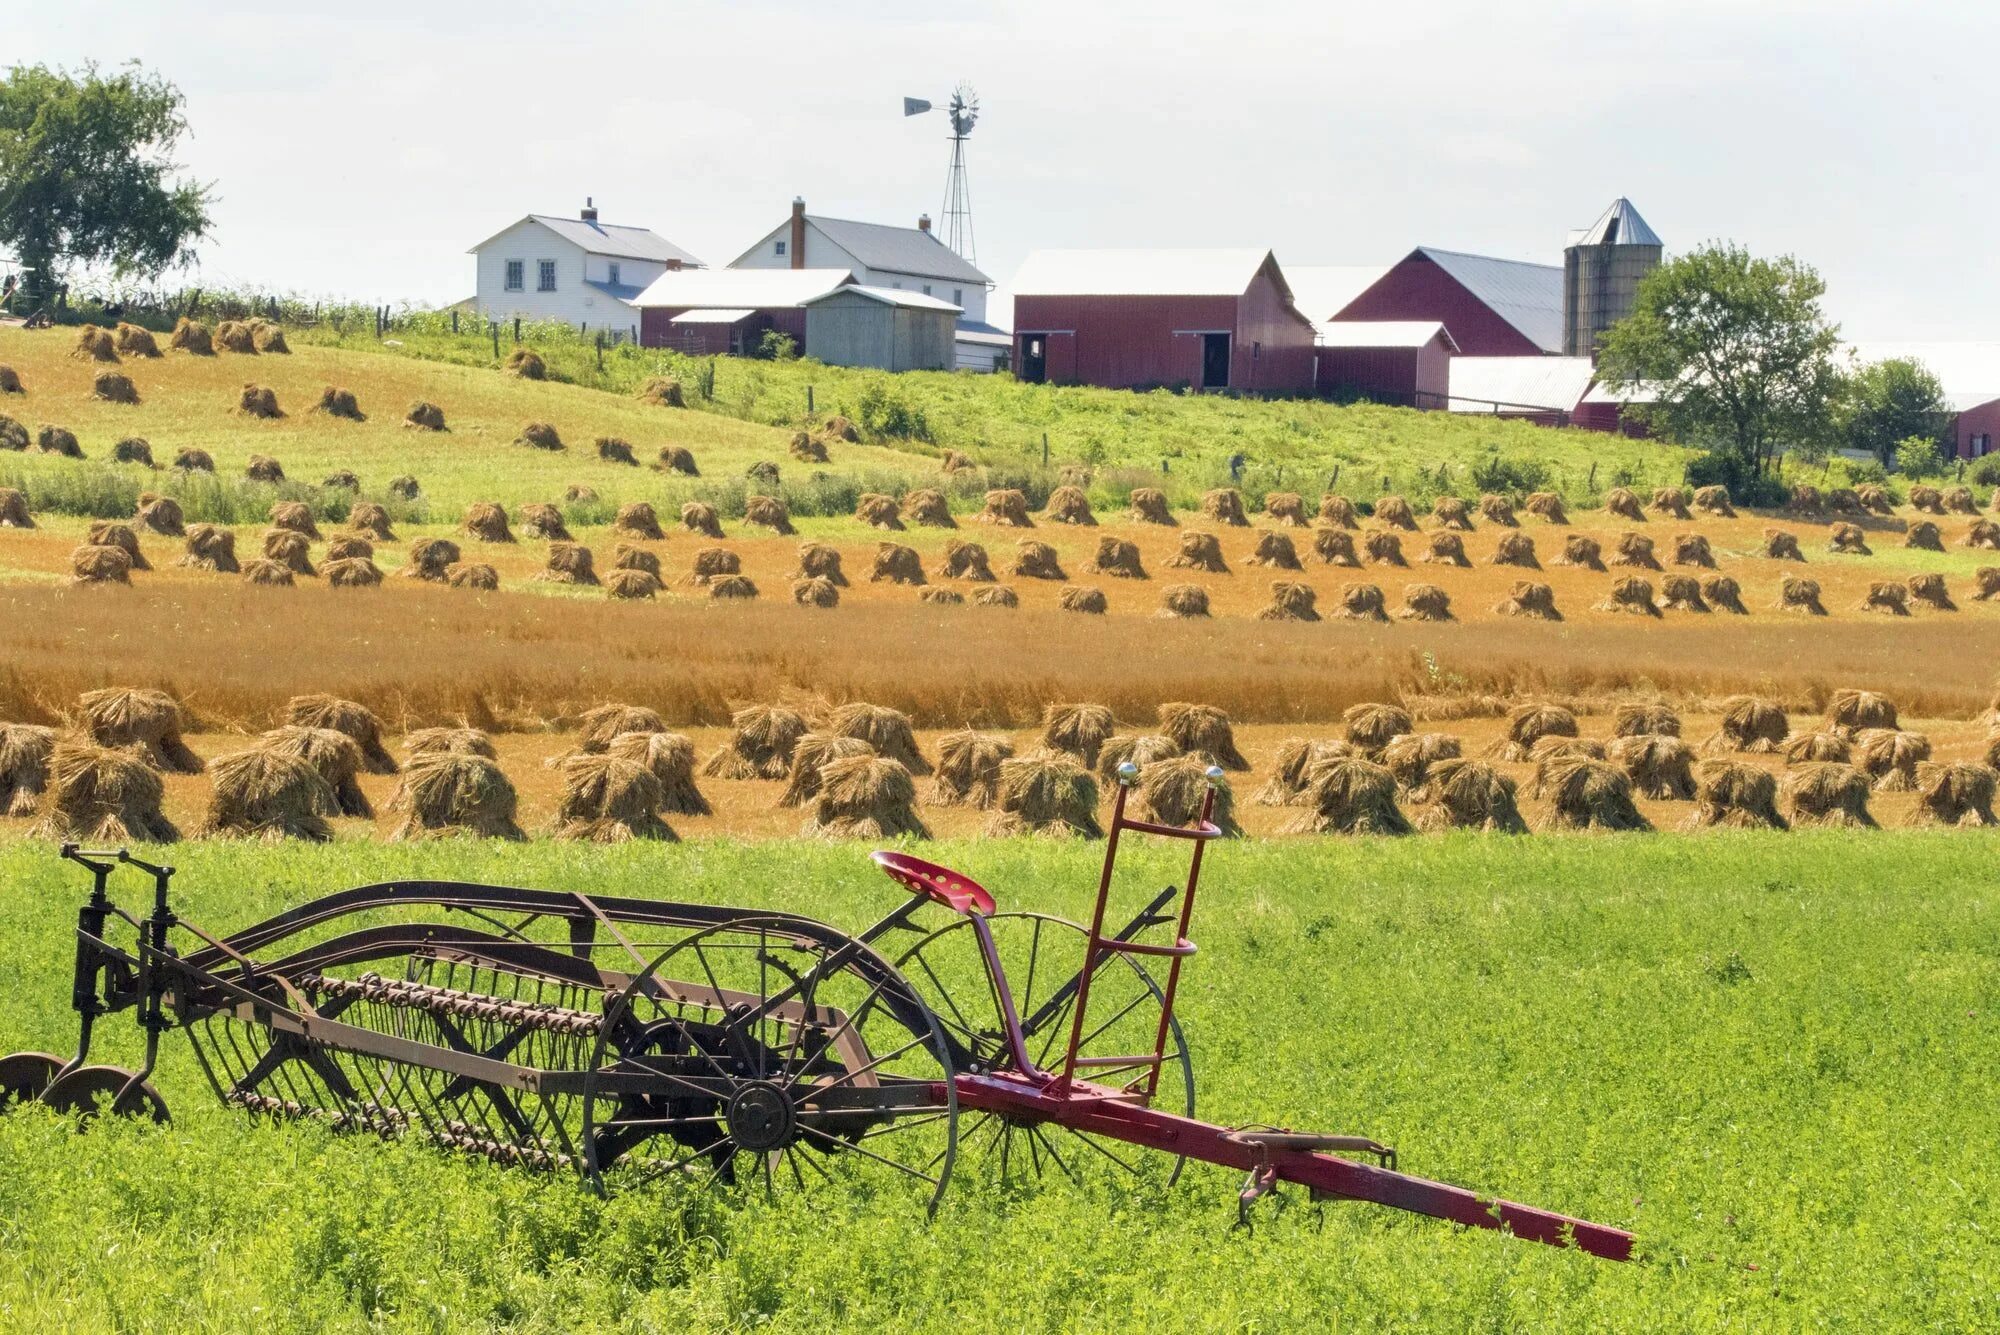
pixel 727 312
pixel 1146 319
pixel 1492 308
pixel 1407 363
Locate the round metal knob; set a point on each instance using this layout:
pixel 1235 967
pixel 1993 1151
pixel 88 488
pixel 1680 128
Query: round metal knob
pixel 1128 773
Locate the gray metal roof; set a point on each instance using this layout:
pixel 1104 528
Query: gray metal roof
pixel 1619 225
pixel 1527 296
pixel 631 243
pixel 626 292
pixel 888 296
pixel 740 289
pixel 1131 272
pixel 1547 384
pixel 898 249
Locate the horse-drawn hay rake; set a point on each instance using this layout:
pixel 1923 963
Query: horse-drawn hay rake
pixel 634 1040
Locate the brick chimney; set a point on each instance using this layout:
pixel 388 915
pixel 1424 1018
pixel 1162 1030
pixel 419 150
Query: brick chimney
pixel 589 210
pixel 924 223
pixel 673 266
pixel 798 246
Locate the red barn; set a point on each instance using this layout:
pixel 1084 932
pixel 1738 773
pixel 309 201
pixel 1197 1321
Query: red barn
pixel 1492 308
pixel 1143 319
pixel 1407 363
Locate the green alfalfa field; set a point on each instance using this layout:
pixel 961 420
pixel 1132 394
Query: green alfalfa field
pixel 1772 1056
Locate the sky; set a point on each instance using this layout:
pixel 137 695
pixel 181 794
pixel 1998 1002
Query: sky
pixel 357 151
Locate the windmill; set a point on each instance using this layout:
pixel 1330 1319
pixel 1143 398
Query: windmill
pixel 957 211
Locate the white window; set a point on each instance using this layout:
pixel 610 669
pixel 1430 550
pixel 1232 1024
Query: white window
pixel 514 268
pixel 614 272
pixel 547 279
pixel 779 249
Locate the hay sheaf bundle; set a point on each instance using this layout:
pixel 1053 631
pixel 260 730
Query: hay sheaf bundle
pixel 1960 500
pixel 632 585
pixel 1581 552
pixel 1890 756
pixel 1286 507
pixel 1148 505
pixel 1452 513
pixel 612 450
pixel 1927 499
pixel 370 518
pixel 340 479
pixel 928 508
pixel 1425 602
pixel 1782 546
pixel 1851 709
pixel 114 387
pixel 1807 499
pixel 1078 730
pixel 1849 540
pixel 1224 505
pixel 524 363
pixel 768 512
pixel 1983 535
pixel 1468 795
pixel 1636 550
pixel 1824 745
pixel 58 440
pixel 454 792
pixel 333 755
pixel 10 381
pixel 761 745
pixel 1750 724
pixel 290 549
pixel 430 559
pixel 1725 593
pixel 235 336
pixel 271 793
pixel 865 797
pixel 1383 549
pixel 1372 726
pixel 1497 509
pixel 819 560
pixel 1044 793
pixel 733 587
pixel 1827 795
pixel 1183 602
pixel 337 402
pixel 700 517
pixel 1672 501
pixel 13 436
pixel 1624 503
pixel 813 751
pixel 1395 512
pixel 1986 583
pixel 1119 558
pixel 1930 590
pixel 448 741
pixel 1733 795
pixel 714 563
pixel 1335 548
pixel 661 392
pixel 1348 795
pixel 353 721
pixel 99 564
pixel 1516 549
pixel 298 517
pixel 267 336
pixel 897 564
pixel 1414 756
pixel 1069 505
pixel 1529 599
pixel 1137 749
pixel 540 436
pixel 1546 506
pixel 807 450
pixel 1172 791
pixel 887 730
pixel 1692 549
pixel 110 533
pixel 351 572
pixel 1445 549
pixel 1638 718
pixel 1006 506
pixel 669 758
pixel 1954 795
pixel 192 337
pixel 486 521
pixel 965 560
pixel 568 563
pixel 266 573
pixel 1714 500
pixel 1889 597
pixel 1844 500
pixel 1528 724
pixel 763 474
pixel 1924 536
pixel 147 720
pixel 1797 594
pixel 209 547
pixel 1682 593
pixel 263 468
pixel 101 795
pixel 1202 729
pixel 677 459
pixel 423 415
pixel 638 520
pixel 943 597
pixel 1589 794
pixel 1036 560
pixel 1078 598
pixel 1199 551
pixel 258 401
pixel 14 509
pixel 24 766
pixel 1361 602
pixel 1275 551
pixel 1660 766
pixel 968 769
pixel 955 461
pixel 815 591
pixel 1295 758
pixel 94 345
pixel 1875 499
pixel 541 520
pixel 1336 511
pixel 878 511
pixel 609 799
pixel 1290 601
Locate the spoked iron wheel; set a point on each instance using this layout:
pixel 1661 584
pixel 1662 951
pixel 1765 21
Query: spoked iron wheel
pixel 1042 957
pixel 90 1090
pixel 24 1075
pixel 750 1056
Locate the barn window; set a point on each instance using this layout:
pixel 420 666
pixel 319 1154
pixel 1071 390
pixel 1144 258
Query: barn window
pixel 514 268
pixel 614 273
pixel 547 279
pixel 779 248
pixel 927 289
pixel 958 296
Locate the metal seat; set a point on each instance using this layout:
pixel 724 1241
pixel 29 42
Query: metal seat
pixel 955 890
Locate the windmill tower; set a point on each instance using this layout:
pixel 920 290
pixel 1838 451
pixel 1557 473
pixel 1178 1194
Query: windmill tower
pixel 957 211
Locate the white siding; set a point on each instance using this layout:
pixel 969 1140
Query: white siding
pixel 574 300
pixel 822 253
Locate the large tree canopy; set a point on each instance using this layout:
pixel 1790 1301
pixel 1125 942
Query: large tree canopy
pixel 1890 402
pixel 87 174
pixel 1738 351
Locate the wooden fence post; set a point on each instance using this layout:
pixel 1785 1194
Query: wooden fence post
pixel 1045 449
pixel 495 328
pixel 809 400
pixel 517 329
pixel 454 322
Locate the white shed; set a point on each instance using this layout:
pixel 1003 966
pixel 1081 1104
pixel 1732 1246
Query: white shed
pixel 881 327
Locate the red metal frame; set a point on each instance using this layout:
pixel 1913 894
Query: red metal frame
pixel 1029 1094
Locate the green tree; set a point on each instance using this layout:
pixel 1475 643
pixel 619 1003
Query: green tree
pixel 1919 457
pixel 87 174
pixel 1738 352
pixel 1890 401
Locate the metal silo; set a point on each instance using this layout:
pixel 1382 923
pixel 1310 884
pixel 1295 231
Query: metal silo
pixel 1601 271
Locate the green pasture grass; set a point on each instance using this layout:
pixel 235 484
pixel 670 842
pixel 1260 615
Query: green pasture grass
pixel 1773 1057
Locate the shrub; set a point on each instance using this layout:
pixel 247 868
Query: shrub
pixel 1919 456
pixel 1718 469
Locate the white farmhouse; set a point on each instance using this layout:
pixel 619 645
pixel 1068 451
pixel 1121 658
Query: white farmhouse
pixel 880 256
pixel 574 269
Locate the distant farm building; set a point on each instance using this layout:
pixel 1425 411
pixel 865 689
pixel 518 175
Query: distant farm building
pixel 1543 390
pixel 898 259
pixel 1970 375
pixel 1493 308
pixel 1404 362
pixel 824 312
pixel 1602 269
pixel 1141 319
pixel 578 270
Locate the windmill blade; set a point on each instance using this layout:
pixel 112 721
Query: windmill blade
pixel 915 106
